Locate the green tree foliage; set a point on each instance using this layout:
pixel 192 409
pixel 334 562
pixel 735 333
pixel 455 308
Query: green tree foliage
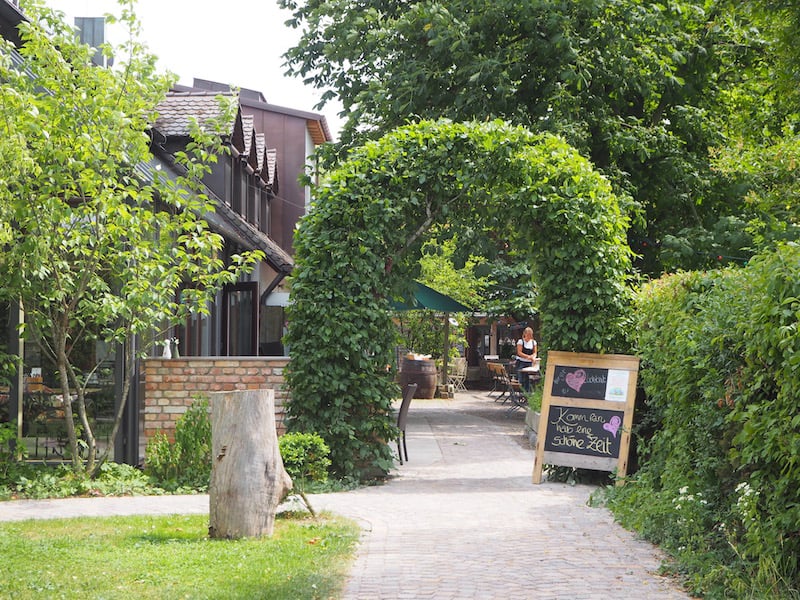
pixel 93 248
pixel 721 365
pixel 761 128
pixel 632 85
pixel 422 331
pixel 364 236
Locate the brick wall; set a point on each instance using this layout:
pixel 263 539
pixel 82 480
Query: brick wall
pixel 171 383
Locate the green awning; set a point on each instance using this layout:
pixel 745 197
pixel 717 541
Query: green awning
pixel 426 297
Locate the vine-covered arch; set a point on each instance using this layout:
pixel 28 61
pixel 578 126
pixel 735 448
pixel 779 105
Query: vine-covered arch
pixel 358 246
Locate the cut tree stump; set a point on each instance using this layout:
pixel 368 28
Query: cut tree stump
pixel 248 480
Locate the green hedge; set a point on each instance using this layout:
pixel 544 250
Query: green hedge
pixel 719 442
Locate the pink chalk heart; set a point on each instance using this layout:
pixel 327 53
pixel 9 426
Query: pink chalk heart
pixel 613 425
pixel 575 379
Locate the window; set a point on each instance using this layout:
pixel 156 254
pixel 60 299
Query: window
pixel 91 31
pixel 263 213
pixel 273 328
pixel 240 319
pixel 194 336
pixel 252 193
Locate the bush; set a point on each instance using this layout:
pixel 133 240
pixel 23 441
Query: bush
pixel 12 464
pixel 718 480
pixel 305 456
pixel 306 459
pixel 186 463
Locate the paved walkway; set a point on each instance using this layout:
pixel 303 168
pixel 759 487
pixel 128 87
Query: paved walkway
pixel 461 520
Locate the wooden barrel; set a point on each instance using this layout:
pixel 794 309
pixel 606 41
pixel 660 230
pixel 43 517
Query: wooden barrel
pixel 421 372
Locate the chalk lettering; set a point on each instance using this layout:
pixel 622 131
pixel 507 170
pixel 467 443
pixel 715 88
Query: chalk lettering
pixel 601 446
pixel 569 442
pixel 580 430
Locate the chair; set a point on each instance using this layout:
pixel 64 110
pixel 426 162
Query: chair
pixel 511 389
pixel 402 417
pixel 496 370
pixel 458 375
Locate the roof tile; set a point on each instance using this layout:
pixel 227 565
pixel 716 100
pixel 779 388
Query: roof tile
pixel 177 110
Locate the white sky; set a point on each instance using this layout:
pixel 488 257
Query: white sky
pixel 239 43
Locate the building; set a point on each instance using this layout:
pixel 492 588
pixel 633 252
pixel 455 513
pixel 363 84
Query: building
pixel 257 200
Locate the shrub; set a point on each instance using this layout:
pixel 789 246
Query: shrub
pixel 12 457
pixel 718 480
pixel 305 456
pixel 186 463
pixel 306 459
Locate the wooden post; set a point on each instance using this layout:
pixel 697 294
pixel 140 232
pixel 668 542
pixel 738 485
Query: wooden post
pixel 248 480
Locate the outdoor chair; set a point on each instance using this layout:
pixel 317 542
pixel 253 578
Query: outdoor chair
pixel 402 417
pixel 509 384
pixel 458 375
pixel 496 370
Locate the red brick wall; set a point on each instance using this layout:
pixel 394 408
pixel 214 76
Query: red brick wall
pixel 170 385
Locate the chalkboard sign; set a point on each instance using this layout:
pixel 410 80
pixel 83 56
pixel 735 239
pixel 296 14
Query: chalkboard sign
pixel 579 382
pixel 587 412
pixel 579 430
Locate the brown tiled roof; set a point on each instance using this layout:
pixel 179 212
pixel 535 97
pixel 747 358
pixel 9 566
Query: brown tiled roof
pixel 177 110
pixel 252 155
pixel 237 137
pixel 316 123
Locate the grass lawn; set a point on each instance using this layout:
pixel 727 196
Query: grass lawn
pixel 172 557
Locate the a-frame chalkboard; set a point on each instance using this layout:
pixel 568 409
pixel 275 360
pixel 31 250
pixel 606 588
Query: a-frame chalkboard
pixel 587 412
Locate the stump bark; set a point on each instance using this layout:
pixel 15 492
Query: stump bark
pixel 248 480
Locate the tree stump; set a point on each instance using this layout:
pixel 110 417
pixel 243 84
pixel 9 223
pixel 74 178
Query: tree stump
pixel 248 480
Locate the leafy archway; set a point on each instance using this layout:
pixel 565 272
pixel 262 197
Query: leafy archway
pixel 358 247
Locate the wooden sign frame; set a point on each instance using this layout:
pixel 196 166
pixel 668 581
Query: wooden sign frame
pixel 587 412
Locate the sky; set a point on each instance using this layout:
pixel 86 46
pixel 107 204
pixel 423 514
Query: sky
pixel 240 43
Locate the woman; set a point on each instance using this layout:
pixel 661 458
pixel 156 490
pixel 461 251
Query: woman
pixel 527 352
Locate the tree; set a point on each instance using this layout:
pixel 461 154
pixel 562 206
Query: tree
pixel 94 247
pixel 633 86
pixel 763 146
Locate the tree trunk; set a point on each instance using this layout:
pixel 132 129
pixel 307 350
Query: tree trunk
pixel 248 480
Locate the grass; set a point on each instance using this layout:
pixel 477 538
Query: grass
pixel 173 557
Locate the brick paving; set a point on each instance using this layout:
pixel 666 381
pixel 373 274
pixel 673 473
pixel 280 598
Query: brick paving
pixel 461 520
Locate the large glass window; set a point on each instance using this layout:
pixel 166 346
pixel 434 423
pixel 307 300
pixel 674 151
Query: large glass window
pixel 252 194
pixel 240 319
pixel 239 185
pixel 195 336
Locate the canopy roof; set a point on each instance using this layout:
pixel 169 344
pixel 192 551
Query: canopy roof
pixel 426 297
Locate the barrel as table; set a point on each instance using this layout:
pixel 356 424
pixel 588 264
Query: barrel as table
pixel 421 372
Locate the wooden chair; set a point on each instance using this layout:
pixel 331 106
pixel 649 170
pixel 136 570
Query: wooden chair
pixel 512 390
pixel 458 375
pixel 497 379
pixel 402 418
